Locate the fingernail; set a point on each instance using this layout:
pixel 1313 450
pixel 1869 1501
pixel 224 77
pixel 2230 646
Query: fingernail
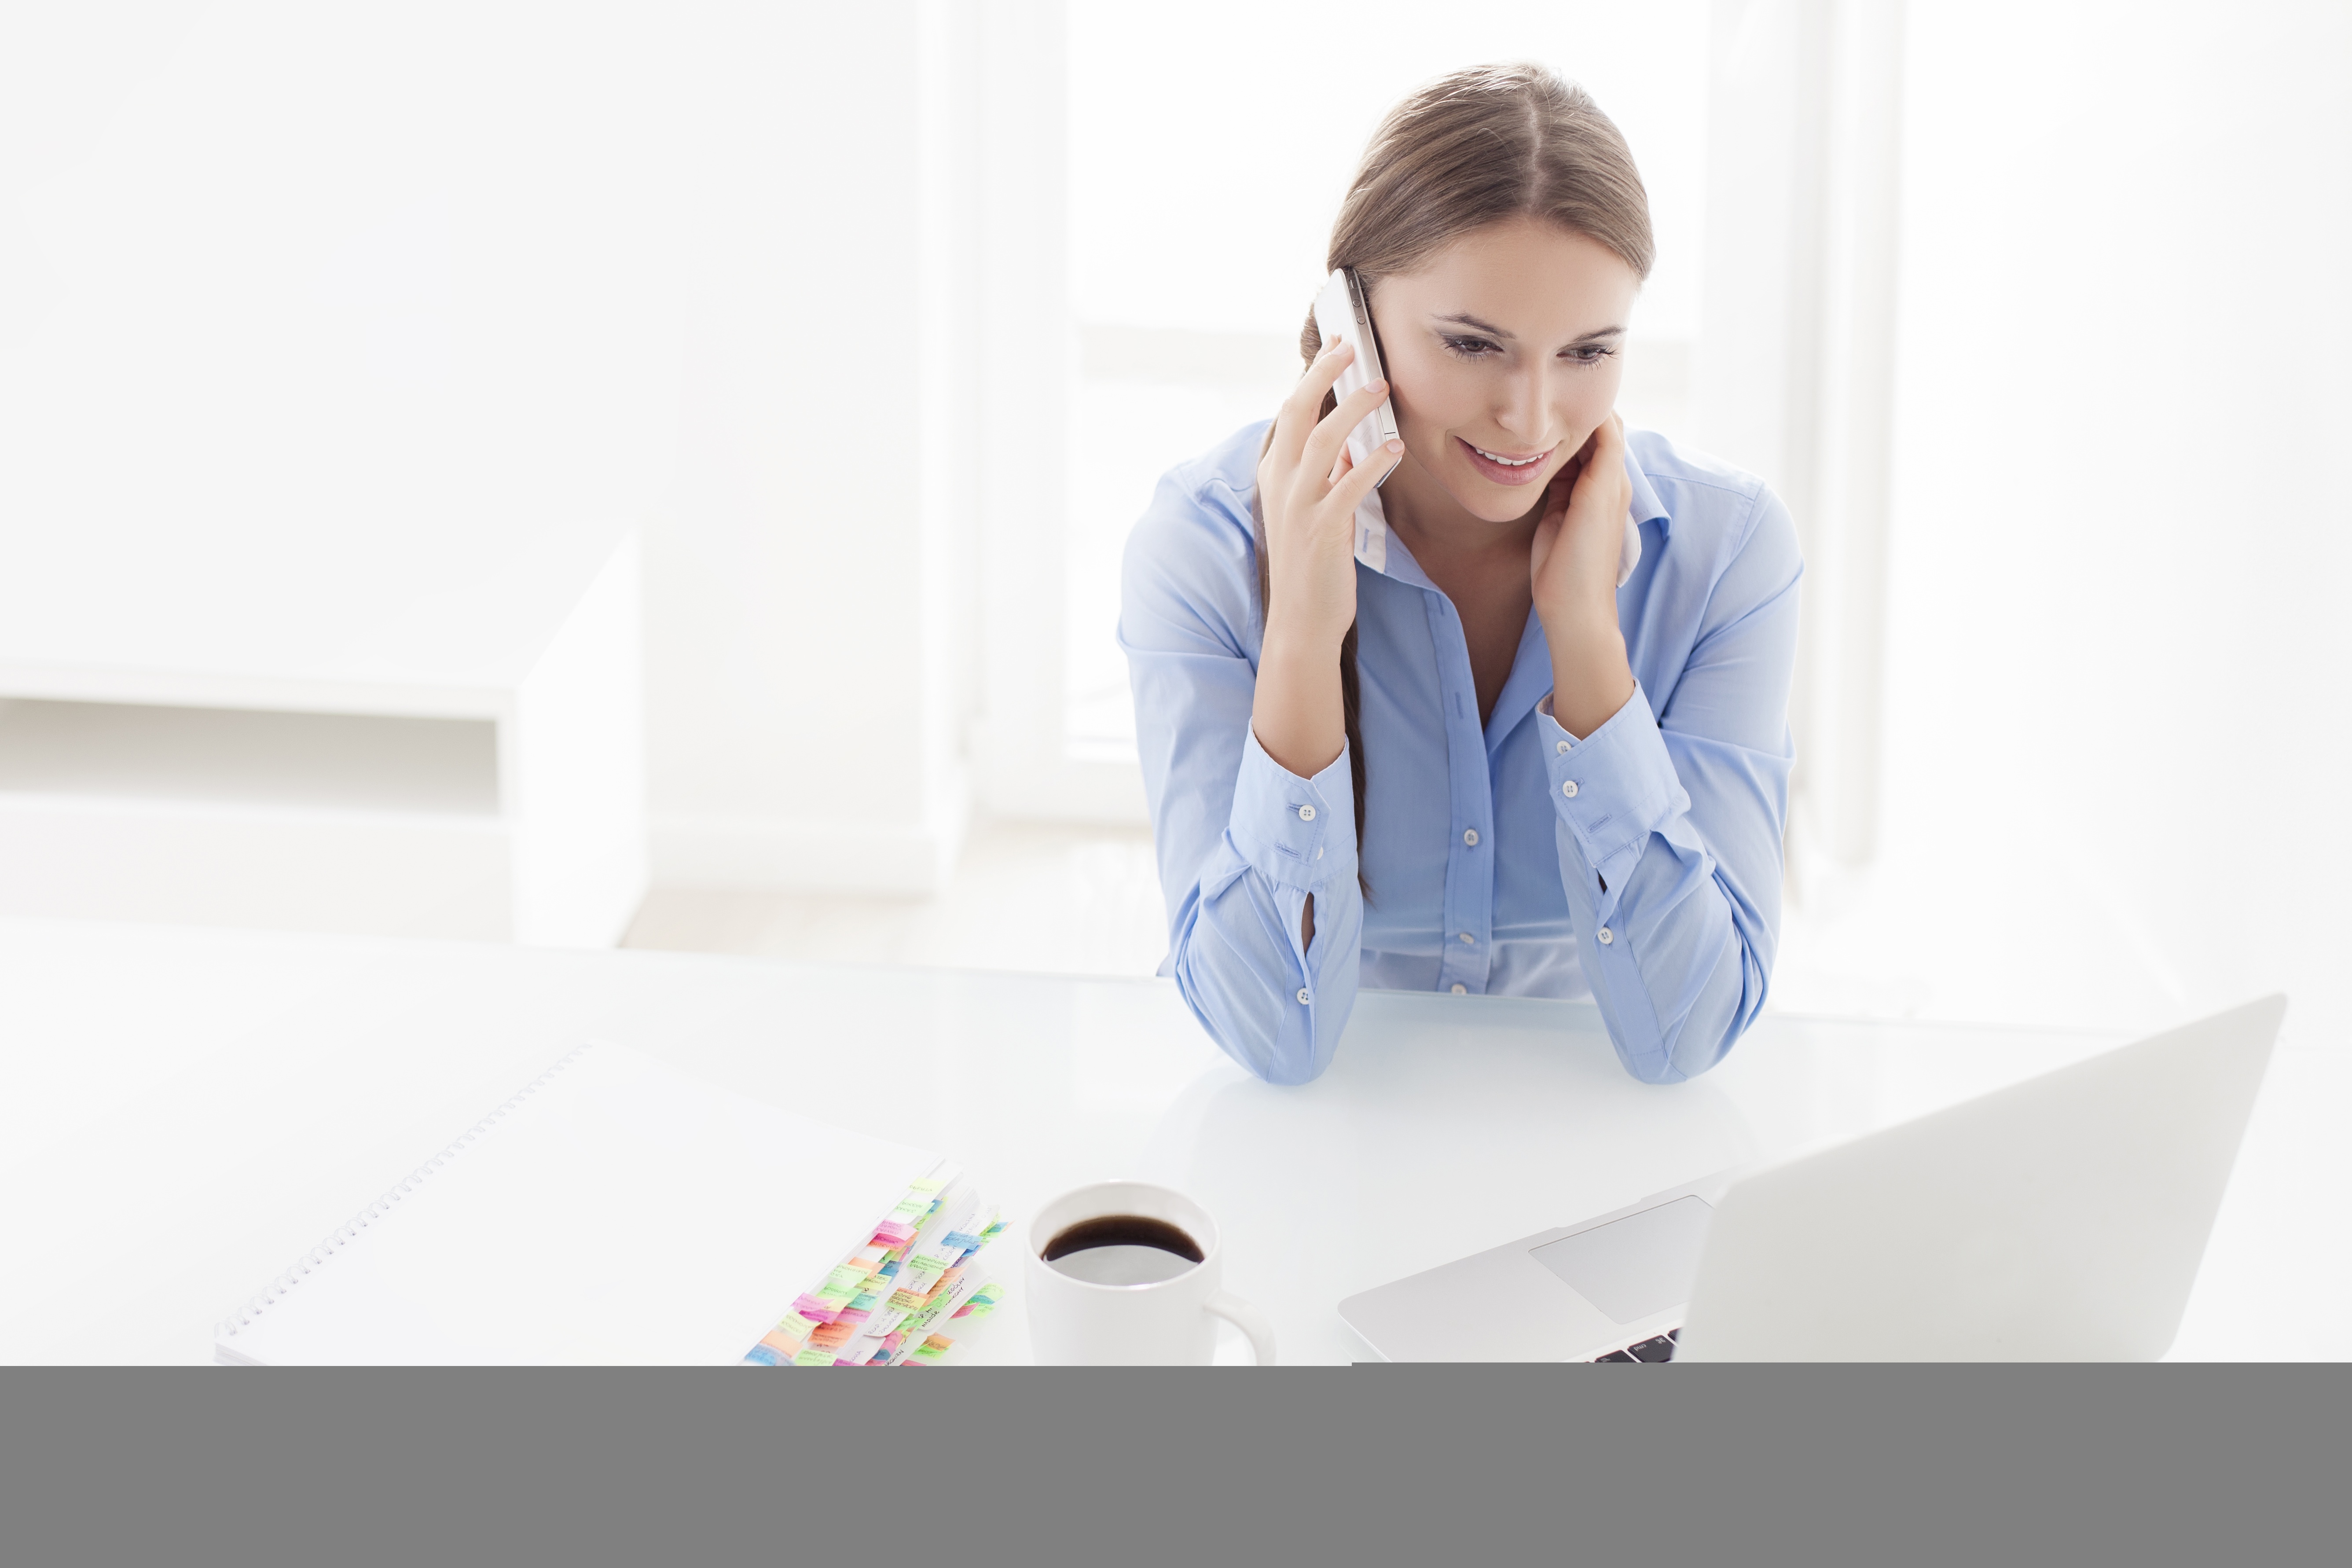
pixel 1396 446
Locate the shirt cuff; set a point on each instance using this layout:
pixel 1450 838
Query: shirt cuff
pixel 1298 832
pixel 1614 788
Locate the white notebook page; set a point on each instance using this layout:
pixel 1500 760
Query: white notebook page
pixel 620 1212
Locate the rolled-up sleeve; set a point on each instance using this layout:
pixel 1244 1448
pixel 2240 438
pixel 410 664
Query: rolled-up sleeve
pixel 1669 824
pixel 1243 843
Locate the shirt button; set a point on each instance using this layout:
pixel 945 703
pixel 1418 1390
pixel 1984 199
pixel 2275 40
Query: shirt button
pixel 1568 788
pixel 1460 989
pixel 1470 837
pixel 1306 813
pixel 1561 748
pixel 1467 938
pixel 1606 938
pixel 1302 996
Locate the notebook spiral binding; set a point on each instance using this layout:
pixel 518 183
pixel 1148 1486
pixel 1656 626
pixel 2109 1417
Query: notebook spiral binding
pixel 228 1327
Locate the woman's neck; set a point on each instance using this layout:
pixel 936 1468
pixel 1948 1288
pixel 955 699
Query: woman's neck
pixel 1483 567
pixel 1445 538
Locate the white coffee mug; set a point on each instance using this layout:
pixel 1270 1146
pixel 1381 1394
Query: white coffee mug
pixel 1139 1308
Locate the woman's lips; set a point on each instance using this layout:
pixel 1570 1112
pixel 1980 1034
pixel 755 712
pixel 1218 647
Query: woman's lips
pixel 1507 473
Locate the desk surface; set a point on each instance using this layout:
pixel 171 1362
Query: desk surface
pixel 186 1112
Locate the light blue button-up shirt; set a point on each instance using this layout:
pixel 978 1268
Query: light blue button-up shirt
pixel 1639 866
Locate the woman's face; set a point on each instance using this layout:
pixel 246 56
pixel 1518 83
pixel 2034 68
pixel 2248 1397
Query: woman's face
pixel 1503 356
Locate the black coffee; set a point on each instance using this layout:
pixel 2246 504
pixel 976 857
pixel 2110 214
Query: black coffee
pixel 1123 1230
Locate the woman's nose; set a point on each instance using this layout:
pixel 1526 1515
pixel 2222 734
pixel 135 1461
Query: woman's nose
pixel 1521 409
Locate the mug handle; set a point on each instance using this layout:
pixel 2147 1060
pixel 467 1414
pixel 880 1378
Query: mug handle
pixel 1246 1317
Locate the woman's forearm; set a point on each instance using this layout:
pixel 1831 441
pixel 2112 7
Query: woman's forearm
pixel 1589 675
pixel 1298 713
pixel 1300 718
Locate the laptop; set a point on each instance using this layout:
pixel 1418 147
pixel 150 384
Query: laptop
pixel 2058 1219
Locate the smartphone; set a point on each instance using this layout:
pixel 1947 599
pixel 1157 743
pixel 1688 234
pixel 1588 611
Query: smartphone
pixel 1342 312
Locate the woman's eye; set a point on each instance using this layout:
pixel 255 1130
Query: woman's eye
pixel 1586 353
pixel 1470 348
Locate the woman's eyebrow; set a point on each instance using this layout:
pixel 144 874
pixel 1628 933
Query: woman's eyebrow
pixel 1464 318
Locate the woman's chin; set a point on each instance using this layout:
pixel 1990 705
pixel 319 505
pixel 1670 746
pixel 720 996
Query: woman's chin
pixel 1491 502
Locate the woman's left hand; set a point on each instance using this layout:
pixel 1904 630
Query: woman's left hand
pixel 1578 544
pixel 1582 532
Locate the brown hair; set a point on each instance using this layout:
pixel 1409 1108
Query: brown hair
pixel 1464 152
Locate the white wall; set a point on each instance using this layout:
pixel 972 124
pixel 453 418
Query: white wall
pixel 1795 363
pixel 363 276
pixel 396 270
pixel 811 628
pixel 2117 667
pixel 1216 152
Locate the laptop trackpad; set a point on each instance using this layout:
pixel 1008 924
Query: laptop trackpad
pixel 1637 1266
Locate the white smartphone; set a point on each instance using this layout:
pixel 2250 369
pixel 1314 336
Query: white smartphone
pixel 1342 312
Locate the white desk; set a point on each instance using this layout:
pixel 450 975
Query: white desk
pixel 186 1112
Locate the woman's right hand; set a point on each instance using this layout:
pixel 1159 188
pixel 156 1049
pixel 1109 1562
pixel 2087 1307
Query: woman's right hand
pixel 1308 491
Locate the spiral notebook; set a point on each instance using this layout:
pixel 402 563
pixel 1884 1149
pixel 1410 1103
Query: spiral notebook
pixel 614 1211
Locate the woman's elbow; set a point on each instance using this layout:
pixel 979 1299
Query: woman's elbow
pixel 1252 1017
pixel 1264 1049
pixel 1726 1005
pixel 1252 1037
pixel 1687 1051
pixel 1698 1049
pixel 1285 1069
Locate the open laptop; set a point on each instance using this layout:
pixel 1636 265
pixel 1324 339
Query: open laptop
pixel 2058 1219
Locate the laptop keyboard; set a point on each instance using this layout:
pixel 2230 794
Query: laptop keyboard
pixel 1659 1348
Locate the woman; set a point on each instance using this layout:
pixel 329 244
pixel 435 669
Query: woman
pixel 1462 755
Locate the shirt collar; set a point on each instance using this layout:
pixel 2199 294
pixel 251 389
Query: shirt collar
pixel 1647 508
pixel 1380 550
